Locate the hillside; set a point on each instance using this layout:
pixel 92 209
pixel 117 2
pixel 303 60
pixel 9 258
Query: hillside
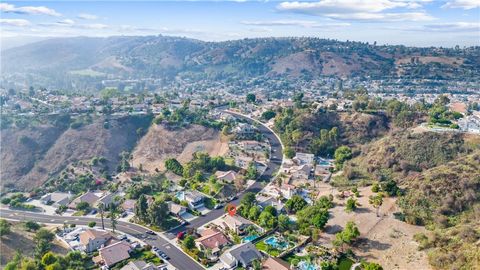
pixel 440 178
pixel 91 59
pixel 54 148
pixel 161 143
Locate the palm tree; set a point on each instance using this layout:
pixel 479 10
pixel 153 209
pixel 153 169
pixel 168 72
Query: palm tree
pixel 113 216
pixel 101 208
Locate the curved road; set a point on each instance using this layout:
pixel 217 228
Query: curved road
pixel 177 258
pixel 276 159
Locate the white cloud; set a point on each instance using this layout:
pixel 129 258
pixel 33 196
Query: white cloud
pixel 465 4
pixel 383 17
pixel 93 26
pixel 14 22
pixel 307 24
pixel 453 27
pixel 86 16
pixel 41 10
pixel 342 6
pixel 371 10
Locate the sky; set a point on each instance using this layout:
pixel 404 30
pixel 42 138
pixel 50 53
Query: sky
pixel 408 22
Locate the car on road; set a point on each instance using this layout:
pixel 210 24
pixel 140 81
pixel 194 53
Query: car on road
pixel 150 232
pixel 218 206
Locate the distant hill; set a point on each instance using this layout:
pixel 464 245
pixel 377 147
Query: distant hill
pixel 161 57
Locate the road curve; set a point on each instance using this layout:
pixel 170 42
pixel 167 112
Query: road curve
pixel 177 258
pixel 273 166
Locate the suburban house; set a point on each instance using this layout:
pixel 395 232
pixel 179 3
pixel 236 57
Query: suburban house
pixel 139 265
pixel 240 255
pixel 176 209
pixel 212 239
pixel 107 200
pixel 193 198
pixel 304 159
pixel 92 240
pixel 56 198
pixel 301 172
pixel 264 201
pixel 110 255
pixel 244 130
pixel 129 205
pixel 275 264
pixel 226 176
pixel 234 223
pixel 91 197
pixel 251 145
pixel 288 190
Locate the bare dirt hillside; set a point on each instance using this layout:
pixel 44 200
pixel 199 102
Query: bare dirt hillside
pixel 24 171
pixel 161 143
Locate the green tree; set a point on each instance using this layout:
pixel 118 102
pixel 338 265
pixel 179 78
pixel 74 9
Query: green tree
pixel 267 115
pixel 351 205
pixel 49 258
pixel 289 152
pixel 32 226
pixel 371 266
pixel 141 207
pixel 267 220
pixel 189 242
pixel 283 223
pixel 295 204
pixel 174 166
pixel 254 212
pixel 92 224
pixel 250 98
pixel 113 216
pixel 376 201
pixel 251 171
pixel 347 235
pixel 342 154
pixel 44 234
pixel 4 227
pixel 158 212
pixel 83 206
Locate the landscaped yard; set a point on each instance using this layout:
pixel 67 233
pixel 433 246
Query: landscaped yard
pixel 268 249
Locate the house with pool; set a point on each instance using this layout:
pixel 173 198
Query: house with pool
pixel 241 255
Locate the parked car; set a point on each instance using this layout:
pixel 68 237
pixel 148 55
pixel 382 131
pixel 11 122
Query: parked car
pixel 122 237
pixel 150 232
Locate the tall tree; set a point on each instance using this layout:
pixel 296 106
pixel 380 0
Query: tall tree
pixel 113 216
pixel 101 208
pixel 141 207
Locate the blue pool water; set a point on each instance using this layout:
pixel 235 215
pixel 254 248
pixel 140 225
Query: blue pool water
pixel 274 242
pixel 303 265
pixel 250 238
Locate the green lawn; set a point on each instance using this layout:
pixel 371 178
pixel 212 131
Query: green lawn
pixel 266 248
pixel 344 264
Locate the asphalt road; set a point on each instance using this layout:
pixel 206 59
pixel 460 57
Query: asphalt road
pixel 276 158
pixel 177 258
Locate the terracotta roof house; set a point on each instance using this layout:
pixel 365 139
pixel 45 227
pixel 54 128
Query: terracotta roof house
pixel 240 255
pixel 235 223
pixel 92 240
pixel 275 264
pixel 212 239
pixel 114 253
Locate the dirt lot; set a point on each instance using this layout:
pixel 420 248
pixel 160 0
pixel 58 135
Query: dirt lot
pixel 21 240
pixel 161 143
pixel 383 239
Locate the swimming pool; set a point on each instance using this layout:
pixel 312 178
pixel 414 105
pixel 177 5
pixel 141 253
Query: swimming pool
pixel 250 238
pixel 303 265
pixel 276 243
